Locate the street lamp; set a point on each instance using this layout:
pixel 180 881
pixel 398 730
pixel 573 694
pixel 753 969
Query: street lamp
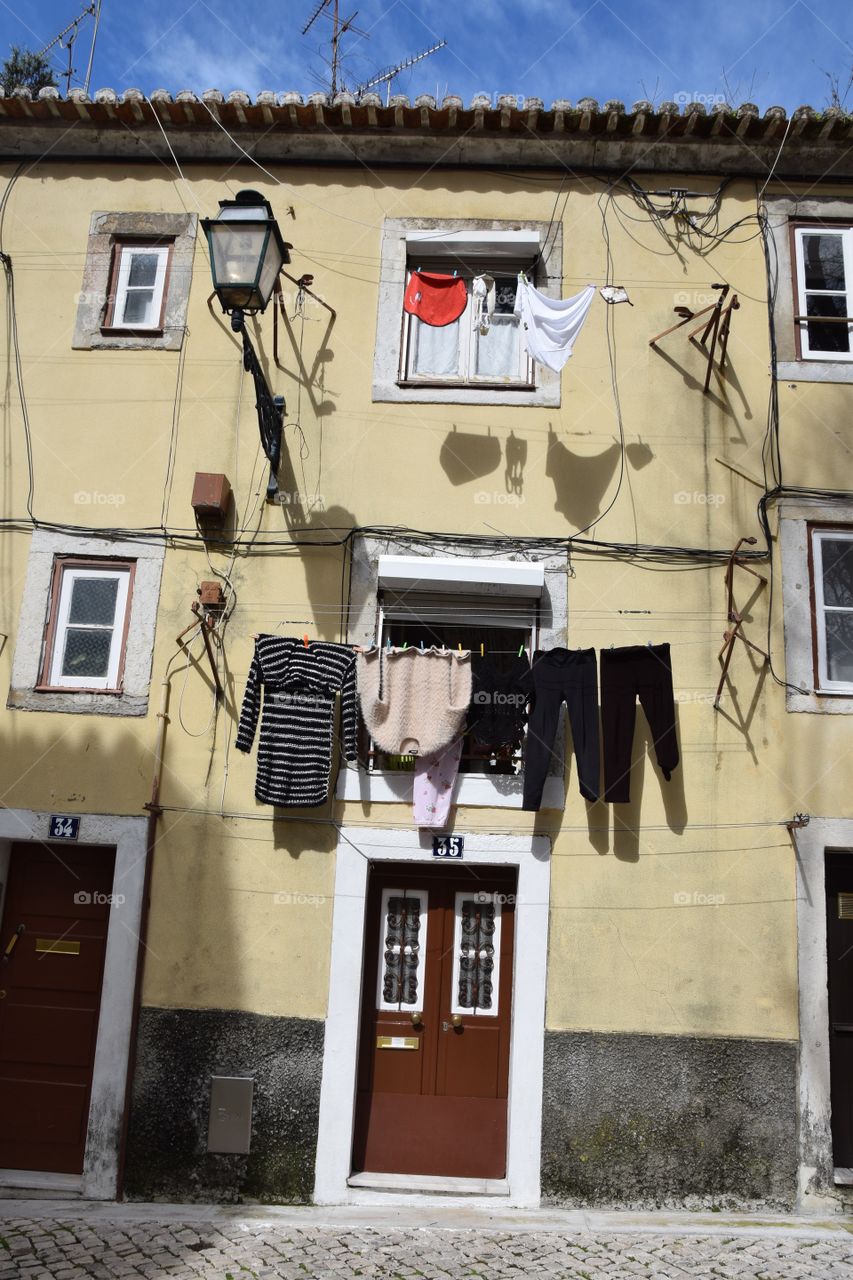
pixel 247 253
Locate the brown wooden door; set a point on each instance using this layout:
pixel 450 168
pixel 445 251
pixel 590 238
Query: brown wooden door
pixel 839 951
pixel 50 995
pixel 435 1025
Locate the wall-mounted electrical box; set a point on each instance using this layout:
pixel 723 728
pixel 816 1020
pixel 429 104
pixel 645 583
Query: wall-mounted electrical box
pixel 211 494
pixel 229 1129
pixel 210 595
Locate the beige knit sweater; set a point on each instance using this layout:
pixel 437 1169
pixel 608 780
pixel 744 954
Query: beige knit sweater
pixel 425 694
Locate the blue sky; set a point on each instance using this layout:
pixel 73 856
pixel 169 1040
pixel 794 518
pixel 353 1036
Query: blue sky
pixel 766 51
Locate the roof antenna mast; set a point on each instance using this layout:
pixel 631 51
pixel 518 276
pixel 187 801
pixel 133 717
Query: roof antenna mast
pixel 66 38
pixel 330 9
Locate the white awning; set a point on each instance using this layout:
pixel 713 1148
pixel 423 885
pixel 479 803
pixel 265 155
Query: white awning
pixel 469 576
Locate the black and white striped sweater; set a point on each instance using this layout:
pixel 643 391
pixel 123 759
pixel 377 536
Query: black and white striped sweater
pixel 297 720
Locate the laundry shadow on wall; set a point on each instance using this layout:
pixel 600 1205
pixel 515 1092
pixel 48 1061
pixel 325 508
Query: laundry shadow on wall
pixel 627 827
pixel 466 455
pixel 580 483
pixel 516 460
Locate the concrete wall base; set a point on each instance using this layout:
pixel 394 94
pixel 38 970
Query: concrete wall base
pixel 649 1121
pixel 178 1051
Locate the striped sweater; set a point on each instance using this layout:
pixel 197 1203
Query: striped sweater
pixel 297 720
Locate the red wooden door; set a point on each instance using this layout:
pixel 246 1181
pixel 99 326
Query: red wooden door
pixel 436 1018
pixel 50 995
pixel 839 954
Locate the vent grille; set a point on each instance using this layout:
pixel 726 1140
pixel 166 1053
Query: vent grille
pixel 845 906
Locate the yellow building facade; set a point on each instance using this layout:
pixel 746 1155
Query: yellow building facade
pixel 189 1004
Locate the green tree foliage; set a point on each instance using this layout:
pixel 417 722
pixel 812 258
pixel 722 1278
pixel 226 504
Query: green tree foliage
pixel 25 68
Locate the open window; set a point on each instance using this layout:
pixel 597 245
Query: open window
pixel 483 346
pixel 137 294
pixel 823 254
pixel 479 357
pixel 86 632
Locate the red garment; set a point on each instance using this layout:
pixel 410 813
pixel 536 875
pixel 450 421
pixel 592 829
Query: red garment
pixel 437 300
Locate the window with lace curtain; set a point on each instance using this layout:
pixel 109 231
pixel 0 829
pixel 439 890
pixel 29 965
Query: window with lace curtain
pixel 483 346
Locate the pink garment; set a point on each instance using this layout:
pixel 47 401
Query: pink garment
pixel 434 778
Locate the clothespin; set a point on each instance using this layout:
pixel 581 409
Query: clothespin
pixel 460 646
pixel 405 644
pixel 389 642
pixel 305 641
pixel 520 650
pixel 648 644
pixel 422 646
pixel 482 649
pixel 455 271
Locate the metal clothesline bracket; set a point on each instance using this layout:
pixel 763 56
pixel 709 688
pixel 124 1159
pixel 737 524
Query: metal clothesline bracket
pixel 716 327
pixel 735 618
pixel 206 627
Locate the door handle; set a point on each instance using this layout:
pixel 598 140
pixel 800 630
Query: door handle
pixel 455 1023
pixel 13 942
pixel 417 1019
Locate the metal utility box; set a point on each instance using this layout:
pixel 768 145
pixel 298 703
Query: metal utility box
pixel 211 494
pixel 229 1129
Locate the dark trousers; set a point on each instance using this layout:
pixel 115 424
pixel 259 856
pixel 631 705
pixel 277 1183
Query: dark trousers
pixel 558 676
pixel 644 672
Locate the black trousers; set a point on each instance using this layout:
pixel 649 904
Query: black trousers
pixel 558 676
pixel 644 672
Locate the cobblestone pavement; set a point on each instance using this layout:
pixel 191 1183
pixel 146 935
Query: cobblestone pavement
pixel 228 1247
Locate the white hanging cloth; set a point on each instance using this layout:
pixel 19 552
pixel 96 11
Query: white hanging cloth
pixel 550 326
pixel 483 292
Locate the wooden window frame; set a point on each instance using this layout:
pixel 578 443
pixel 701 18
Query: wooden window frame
pixel 130 242
pixel 797 227
pixel 464 380
pixel 816 531
pixel 51 633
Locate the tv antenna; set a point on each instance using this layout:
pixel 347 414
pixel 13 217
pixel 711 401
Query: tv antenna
pixel 385 77
pixel 330 9
pixel 66 38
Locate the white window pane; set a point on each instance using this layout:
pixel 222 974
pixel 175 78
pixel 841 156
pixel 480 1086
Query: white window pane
pixel 143 269
pixel 436 350
pixel 839 646
pixel 402 949
pixel 87 653
pixel 497 348
pixel 93 600
pixel 138 306
pixel 823 262
pixel 837 561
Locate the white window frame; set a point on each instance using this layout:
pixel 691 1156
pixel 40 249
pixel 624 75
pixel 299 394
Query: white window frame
pixel 126 250
pixel 69 575
pixel 455 1006
pixel 524 379
pixel 818 537
pixel 397 1006
pixel 846 235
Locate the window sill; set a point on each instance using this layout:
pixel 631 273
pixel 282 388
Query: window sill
pixel 821 703
pixel 476 790
pixel 109 332
pixel 545 395
pixel 74 689
pixel 91 702
pixel 814 370
pixel 409 383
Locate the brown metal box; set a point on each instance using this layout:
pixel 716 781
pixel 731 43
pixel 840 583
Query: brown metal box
pixel 211 493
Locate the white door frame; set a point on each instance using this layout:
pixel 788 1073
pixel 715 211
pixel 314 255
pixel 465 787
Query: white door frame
pixel 356 849
pixel 112 1046
pixel 817 1191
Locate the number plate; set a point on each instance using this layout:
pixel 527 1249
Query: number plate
pixel 62 828
pixel 448 846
